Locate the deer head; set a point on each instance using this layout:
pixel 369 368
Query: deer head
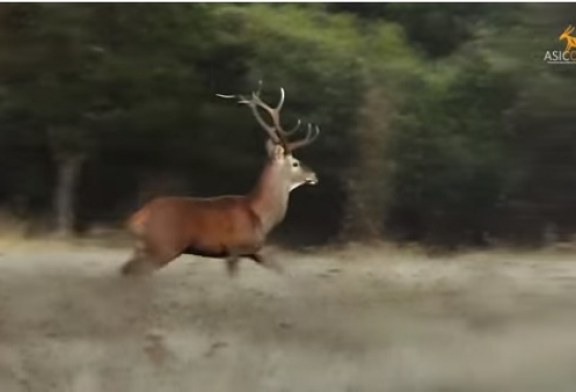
pixel 566 34
pixel 278 147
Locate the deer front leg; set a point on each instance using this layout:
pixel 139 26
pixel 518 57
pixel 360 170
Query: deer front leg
pixel 232 266
pixel 266 263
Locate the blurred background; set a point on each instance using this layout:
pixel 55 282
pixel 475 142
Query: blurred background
pixel 441 124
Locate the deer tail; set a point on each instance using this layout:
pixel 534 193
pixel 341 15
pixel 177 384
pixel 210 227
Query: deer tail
pixel 138 221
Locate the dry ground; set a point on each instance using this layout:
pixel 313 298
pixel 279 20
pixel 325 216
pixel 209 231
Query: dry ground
pixel 354 320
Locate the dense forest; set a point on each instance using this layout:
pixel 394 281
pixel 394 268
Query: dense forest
pixel 441 123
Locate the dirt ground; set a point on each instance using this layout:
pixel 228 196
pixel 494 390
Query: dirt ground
pixel 353 320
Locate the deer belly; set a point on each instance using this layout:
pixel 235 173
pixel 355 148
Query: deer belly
pixel 206 247
pixel 216 252
pixel 221 238
pixel 221 251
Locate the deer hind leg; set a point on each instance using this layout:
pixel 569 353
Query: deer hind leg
pixel 146 260
pixel 137 267
pixel 140 263
pixel 266 263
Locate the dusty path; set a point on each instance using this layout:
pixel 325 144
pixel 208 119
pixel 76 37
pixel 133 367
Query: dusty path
pixel 369 321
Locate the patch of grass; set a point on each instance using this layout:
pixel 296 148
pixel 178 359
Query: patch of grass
pixel 18 234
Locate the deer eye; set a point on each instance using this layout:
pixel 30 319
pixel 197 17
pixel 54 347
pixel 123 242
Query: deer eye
pixel 295 164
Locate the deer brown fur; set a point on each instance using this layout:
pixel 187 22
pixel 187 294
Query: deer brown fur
pixel 225 227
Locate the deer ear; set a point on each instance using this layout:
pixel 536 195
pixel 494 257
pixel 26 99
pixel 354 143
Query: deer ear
pixel 274 150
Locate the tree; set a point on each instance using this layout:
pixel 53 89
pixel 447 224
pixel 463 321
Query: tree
pixel 73 72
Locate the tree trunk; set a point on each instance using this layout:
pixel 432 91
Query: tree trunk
pixel 366 180
pixel 69 168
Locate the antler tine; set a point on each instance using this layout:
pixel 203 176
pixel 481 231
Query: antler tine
pixel 311 135
pixel 281 101
pixel 294 129
pixel 226 96
pixel 259 87
pixel 274 112
pixel 240 98
pixel 271 130
pixel 253 103
pixel 275 130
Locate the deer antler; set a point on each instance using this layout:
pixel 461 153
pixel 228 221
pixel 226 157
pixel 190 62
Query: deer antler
pixel 311 135
pixel 277 134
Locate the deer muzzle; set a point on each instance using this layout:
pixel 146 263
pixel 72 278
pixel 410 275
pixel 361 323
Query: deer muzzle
pixel 312 179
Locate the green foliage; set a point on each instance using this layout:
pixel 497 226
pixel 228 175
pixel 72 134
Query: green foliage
pixel 439 123
pixel 451 164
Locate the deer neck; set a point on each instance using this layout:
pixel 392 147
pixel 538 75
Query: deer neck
pixel 269 198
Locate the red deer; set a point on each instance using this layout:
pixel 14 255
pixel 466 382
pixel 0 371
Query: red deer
pixel 224 227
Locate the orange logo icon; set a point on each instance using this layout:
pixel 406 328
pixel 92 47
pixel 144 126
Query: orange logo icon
pixel 570 40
